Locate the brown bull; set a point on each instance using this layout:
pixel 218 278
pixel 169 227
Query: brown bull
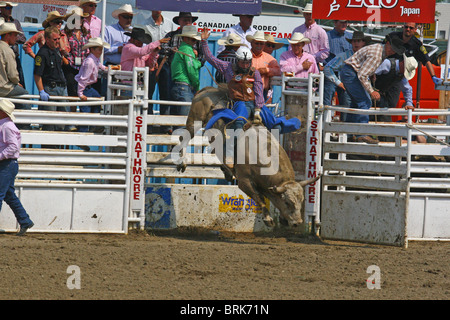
pixel 257 177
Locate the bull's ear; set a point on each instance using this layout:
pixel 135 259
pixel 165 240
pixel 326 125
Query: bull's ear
pixel 278 189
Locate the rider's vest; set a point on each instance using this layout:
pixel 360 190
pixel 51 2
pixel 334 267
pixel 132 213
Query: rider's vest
pixel 385 81
pixel 240 88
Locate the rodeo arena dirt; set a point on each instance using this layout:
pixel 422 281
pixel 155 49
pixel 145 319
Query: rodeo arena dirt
pixel 306 210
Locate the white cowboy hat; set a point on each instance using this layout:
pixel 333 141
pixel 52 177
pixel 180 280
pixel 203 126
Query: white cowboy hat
pixel 8 27
pixel 88 1
pixel 7 3
pixel 257 36
pixel 271 39
pixel 8 107
pixel 96 42
pixel 298 37
pixel 190 32
pixel 54 15
pixel 307 8
pixel 410 67
pixel 126 8
pixel 76 11
pixel 231 40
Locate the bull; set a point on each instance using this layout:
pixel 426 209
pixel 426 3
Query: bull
pixel 278 185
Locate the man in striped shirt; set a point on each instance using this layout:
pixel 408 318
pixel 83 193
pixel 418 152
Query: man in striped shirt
pixel 355 76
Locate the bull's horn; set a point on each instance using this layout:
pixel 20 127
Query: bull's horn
pixel 280 189
pixel 306 182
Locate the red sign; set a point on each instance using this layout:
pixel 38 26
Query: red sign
pixel 376 11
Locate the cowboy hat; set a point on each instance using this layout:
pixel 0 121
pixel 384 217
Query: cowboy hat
pixel 88 1
pixel 139 34
pixel 76 11
pixel 298 37
pixel 308 8
pixel 7 3
pixel 126 8
pixel 410 67
pixel 190 32
pixel 271 39
pixel 239 14
pixel 54 15
pixel 8 107
pixel 231 40
pixel 396 44
pixel 359 35
pixel 257 36
pixel 8 27
pixel 184 15
pixel 96 42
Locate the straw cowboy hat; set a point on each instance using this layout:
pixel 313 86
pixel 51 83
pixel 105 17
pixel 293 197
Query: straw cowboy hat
pixel 271 39
pixel 190 32
pixel 77 11
pixel 359 35
pixel 184 15
pixel 8 27
pixel 7 3
pixel 8 107
pixel 257 36
pixel 54 15
pixel 307 8
pixel 96 42
pixel 88 1
pixel 231 40
pixel 139 34
pixel 410 67
pixel 298 37
pixel 126 8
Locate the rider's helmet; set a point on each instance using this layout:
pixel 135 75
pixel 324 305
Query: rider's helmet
pixel 243 54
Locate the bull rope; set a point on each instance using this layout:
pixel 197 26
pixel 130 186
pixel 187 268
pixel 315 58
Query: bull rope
pixel 410 126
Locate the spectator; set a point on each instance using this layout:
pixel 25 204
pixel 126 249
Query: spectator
pixel 115 34
pixel 318 45
pixel 185 69
pixel 355 76
pixel 49 76
pixel 242 29
pixel 262 61
pixel 6 13
pixel 295 61
pixel 92 23
pixel 232 42
pixel 271 44
pixel 158 27
pixel 331 70
pixel 10 142
pixel 338 39
pixel 88 75
pixel 135 54
pixel 54 19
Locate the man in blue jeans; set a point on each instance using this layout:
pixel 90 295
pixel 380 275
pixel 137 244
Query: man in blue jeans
pixel 10 141
pixel 356 73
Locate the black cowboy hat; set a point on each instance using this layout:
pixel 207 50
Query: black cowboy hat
pixel 139 34
pixel 184 15
pixel 359 35
pixel 396 44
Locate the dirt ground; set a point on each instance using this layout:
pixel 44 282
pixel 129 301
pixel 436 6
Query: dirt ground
pixel 202 265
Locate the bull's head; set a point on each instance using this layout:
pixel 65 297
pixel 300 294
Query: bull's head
pixel 288 198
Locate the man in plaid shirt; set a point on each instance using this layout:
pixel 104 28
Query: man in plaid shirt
pixel 356 74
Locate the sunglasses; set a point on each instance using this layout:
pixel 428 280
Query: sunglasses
pixel 408 27
pixel 126 17
pixel 270 45
pixel 8 7
pixel 57 21
pixel 92 5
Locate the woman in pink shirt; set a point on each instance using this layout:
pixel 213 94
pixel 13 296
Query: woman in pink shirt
pixel 297 62
pixel 135 54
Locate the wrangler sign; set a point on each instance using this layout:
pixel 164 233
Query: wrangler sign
pixel 376 11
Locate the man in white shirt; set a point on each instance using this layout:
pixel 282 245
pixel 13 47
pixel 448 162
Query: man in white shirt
pixel 242 29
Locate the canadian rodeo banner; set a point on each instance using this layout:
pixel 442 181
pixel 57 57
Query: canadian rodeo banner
pixel 250 7
pixel 374 11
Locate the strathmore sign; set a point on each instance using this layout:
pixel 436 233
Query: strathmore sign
pixel 375 11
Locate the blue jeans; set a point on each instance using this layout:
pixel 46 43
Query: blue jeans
pixel 56 91
pixel 360 98
pixel 329 89
pixel 182 92
pixel 8 171
pixel 90 93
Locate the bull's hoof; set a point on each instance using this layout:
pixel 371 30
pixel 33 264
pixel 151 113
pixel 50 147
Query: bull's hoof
pixel 181 167
pixel 269 222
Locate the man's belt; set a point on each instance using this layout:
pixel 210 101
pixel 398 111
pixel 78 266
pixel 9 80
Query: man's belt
pixel 54 84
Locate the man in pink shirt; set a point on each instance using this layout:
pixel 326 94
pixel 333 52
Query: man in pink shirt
pixel 296 61
pixel 92 23
pixel 10 141
pixel 135 54
pixel 265 63
pixel 318 46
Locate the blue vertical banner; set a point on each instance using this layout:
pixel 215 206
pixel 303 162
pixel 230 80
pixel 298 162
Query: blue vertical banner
pixel 250 7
